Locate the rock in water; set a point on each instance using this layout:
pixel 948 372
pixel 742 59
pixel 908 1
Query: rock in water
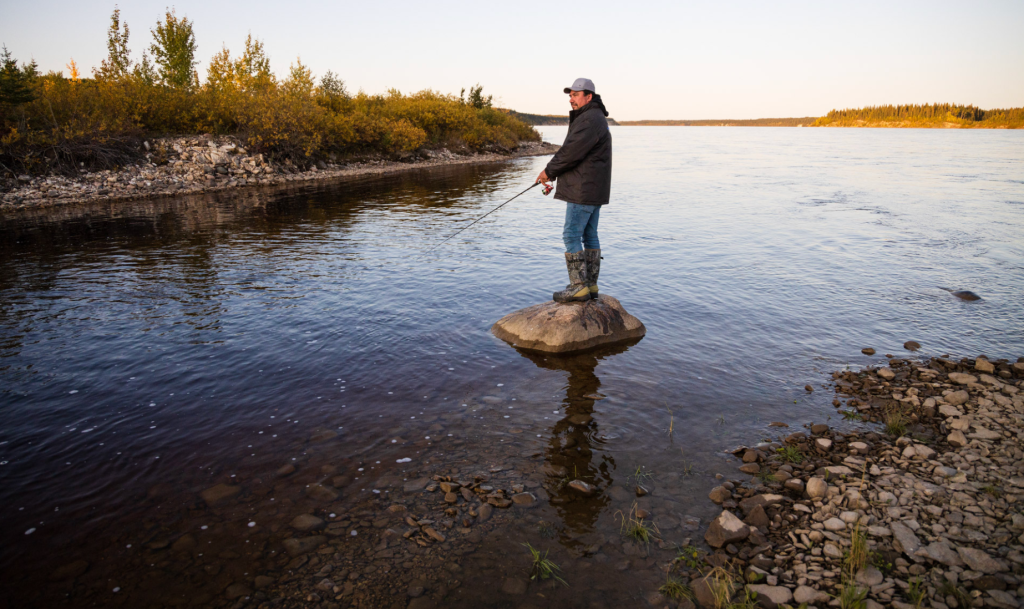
pixel 563 327
pixel 966 295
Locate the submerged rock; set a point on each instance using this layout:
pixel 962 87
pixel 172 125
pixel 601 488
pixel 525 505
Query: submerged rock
pixel 563 327
pixel 966 295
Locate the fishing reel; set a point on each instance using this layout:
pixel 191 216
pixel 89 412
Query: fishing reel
pixel 547 189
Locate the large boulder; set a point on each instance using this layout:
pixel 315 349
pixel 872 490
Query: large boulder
pixel 726 529
pixel 563 327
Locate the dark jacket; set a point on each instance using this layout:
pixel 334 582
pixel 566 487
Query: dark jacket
pixel 582 167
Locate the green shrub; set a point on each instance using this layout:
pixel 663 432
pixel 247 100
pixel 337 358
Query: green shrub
pixel 53 123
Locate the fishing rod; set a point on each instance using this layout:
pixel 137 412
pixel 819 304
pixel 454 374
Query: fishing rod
pixel 547 189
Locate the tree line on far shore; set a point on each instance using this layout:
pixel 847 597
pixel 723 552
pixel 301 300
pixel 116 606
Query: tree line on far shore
pixel 914 115
pixel 62 122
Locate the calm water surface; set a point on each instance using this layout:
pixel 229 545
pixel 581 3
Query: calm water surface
pixel 178 344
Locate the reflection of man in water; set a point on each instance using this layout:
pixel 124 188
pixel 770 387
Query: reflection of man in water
pixel 571 443
pixel 582 169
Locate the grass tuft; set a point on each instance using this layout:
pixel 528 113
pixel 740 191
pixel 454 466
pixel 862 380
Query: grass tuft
pixel 636 528
pixel 542 568
pixel 916 592
pixel 896 420
pixel 790 454
pixel 722 585
pixel 857 556
pixel 963 600
pixel 675 589
pixel 852 596
pixel 690 556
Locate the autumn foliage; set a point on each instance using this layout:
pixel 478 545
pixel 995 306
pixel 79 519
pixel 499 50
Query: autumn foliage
pixel 57 122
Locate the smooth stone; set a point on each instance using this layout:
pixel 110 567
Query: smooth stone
pixel 957 397
pixel 262 581
pixel 757 517
pixel 582 487
pixel 306 522
pixel 220 493
pixel 911 345
pixel 562 327
pixel 770 597
pixel 303 545
pixel 750 468
pixel 956 439
pixel 831 550
pixel 886 373
pixel 322 492
pixel 415 486
pixel 940 551
pixel 905 539
pixel 869 576
pixel 823 444
pixel 726 529
pixel 834 524
pixel 719 494
pixel 794 484
pixel 962 378
pixel 979 560
pixel 484 512
pixel 524 499
pixel 816 488
pixel 867 351
pixel 983 365
pixel 819 428
pixel 763 500
pixel 806 595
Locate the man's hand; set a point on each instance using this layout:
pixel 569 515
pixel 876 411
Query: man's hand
pixel 543 177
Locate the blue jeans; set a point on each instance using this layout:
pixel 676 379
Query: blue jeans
pixel 581 225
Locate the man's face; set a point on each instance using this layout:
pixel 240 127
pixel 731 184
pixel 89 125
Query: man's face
pixel 577 99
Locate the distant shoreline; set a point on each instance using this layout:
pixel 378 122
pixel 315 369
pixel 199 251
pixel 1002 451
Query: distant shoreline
pixel 912 116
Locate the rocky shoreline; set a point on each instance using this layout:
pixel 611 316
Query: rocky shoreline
pixel 206 164
pixel 926 513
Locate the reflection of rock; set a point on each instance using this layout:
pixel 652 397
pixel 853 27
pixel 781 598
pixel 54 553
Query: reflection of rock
pixel 559 328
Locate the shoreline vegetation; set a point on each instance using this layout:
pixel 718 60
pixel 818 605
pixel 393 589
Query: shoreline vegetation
pixel 71 125
pixel 937 116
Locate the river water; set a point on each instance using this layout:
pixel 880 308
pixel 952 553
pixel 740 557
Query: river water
pixel 152 350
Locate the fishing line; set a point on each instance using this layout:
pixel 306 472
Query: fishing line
pixel 547 189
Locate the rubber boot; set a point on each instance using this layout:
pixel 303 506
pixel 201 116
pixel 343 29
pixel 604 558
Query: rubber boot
pixel 577 290
pixel 593 258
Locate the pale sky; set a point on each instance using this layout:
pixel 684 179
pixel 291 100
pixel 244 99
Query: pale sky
pixel 649 60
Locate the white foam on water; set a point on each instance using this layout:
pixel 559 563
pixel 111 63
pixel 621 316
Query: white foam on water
pixel 30 531
pixel 88 430
pixel 353 533
pixel 73 391
pixel 252 524
pixel 404 460
pixel 501 384
pixel 116 589
pixel 204 527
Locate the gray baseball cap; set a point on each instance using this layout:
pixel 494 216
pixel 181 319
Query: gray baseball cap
pixel 582 84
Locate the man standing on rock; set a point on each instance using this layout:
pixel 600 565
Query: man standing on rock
pixel 582 169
